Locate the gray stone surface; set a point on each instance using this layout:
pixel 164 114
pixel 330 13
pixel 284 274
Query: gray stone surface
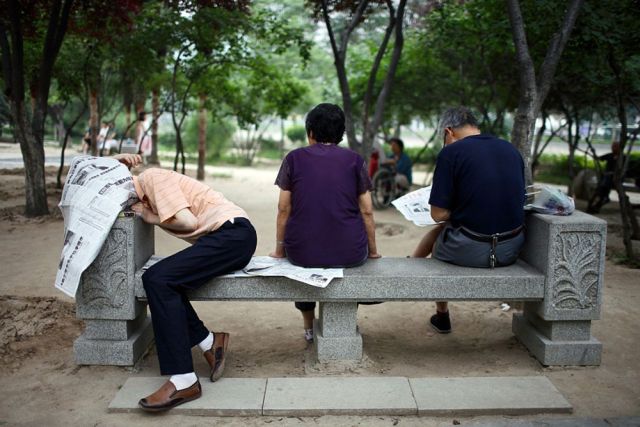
pixel 226 397
pixel 546 422
pixel 106 288
pixel 109 352
pixel 338 319
pixel 338 396
pixel 570 251
pixel 583 353
pixel 118 330
pixel 561 330
pixel 624 421
pixel 336 348
pixel 386 279
pixel 488 395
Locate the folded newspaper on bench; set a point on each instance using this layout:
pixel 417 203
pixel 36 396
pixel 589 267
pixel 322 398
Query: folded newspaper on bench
pixel 96 190
pixel 279 267
pixel 415 207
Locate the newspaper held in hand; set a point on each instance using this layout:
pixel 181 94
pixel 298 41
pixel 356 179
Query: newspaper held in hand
pixel 96 190
pixel 415 207
pixel 281 267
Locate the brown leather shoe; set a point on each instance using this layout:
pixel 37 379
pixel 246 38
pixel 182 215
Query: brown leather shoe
pixel 167 397
pixel 216 355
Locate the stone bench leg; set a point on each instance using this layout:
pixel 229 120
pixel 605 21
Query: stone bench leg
pixel 336 335
pixel 570 251
pixel 559 342
pixel 118 330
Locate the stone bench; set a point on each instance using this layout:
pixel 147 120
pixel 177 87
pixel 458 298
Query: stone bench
pixel 559 276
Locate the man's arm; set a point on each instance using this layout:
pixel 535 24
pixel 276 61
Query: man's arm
pixel 440 214
pixel 366 209
pixel 284 210
pixel 183 220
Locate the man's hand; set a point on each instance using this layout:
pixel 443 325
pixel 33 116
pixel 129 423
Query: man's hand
pixel 130 160
pixel 145 213
pixel 374 255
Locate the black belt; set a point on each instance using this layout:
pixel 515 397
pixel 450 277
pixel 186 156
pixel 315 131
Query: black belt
pixel 489 238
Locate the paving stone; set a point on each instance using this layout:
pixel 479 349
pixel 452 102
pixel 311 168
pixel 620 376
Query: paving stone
pixel 339 396
pixel 487 395
pixel 226 397
pixel 547 422
pixel 624 422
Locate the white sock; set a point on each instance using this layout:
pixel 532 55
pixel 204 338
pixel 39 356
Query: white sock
pixel 183 381
pixel 207 342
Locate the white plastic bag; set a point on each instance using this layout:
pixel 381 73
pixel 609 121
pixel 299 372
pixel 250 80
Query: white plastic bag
pixel 549 200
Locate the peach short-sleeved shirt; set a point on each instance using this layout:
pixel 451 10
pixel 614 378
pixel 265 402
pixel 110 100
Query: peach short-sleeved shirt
pixel 167 192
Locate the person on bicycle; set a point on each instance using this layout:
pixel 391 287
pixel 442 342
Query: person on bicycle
pixel 478 193
pixel 402 164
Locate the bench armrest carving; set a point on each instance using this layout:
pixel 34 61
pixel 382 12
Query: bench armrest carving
pixel 570 252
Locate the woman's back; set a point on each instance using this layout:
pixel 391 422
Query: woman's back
pixel 325 227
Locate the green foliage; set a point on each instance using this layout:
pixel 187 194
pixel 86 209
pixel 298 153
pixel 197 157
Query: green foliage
pixel 427 156
pixel 219 135
pixel 297 133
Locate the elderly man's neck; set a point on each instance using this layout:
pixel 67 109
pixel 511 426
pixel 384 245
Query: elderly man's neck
pixel 465 131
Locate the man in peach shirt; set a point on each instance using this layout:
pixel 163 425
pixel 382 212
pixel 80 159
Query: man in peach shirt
pixel 223 240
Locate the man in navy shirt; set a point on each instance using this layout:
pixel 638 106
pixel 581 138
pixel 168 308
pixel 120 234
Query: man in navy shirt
pixel 478 193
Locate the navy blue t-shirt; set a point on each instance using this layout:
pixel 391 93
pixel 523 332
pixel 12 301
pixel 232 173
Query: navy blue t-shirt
pixel 480 180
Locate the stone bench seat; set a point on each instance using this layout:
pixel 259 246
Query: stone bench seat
pixel 385 279
pixel 559 276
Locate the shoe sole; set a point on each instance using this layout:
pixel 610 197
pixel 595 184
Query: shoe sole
pixel 167 408
pixel 217 374
pixel 440 331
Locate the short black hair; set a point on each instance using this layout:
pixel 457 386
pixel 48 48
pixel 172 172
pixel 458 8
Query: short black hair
pixel 397 141
pixel 326 121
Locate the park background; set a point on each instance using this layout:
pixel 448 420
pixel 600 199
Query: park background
pixel 226 84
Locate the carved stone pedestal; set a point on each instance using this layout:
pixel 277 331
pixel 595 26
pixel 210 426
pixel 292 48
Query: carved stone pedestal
pixel 118 330
pixel 570 252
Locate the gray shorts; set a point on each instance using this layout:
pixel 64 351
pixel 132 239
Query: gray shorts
pixel 457 248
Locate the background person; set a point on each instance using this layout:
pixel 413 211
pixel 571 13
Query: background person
pixel 325 215
pixel 402 163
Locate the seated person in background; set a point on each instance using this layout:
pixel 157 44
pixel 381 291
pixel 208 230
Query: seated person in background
pixel 479 190
pixel 601 197
pixel 325 215
pixel 402 163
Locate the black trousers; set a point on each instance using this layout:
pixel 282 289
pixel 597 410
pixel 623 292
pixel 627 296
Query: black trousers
pixel 176 325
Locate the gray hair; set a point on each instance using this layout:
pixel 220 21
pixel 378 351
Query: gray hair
pixel 455 118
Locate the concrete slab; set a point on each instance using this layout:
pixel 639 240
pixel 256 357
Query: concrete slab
pixel 487 395
pixel 226 397
pixel 546 422
pixel 339 396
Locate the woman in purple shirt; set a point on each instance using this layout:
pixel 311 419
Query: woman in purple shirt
pixel 325 217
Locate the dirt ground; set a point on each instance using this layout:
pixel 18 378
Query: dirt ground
pixel 43 386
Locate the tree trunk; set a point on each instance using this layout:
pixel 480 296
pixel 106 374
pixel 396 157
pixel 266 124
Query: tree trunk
pixel 155 112
pixel 127 119
pixel 533 92
pixel 94 120
pixel 33 154
pixel 202 137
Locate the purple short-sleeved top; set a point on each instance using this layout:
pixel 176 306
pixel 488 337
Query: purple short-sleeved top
pixel 325 227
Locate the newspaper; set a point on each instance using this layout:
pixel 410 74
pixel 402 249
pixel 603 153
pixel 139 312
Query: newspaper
pixel 96 190
pixel 415 207
pixel 280 267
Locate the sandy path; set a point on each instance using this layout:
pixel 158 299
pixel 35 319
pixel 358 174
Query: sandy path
pixel 46 387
